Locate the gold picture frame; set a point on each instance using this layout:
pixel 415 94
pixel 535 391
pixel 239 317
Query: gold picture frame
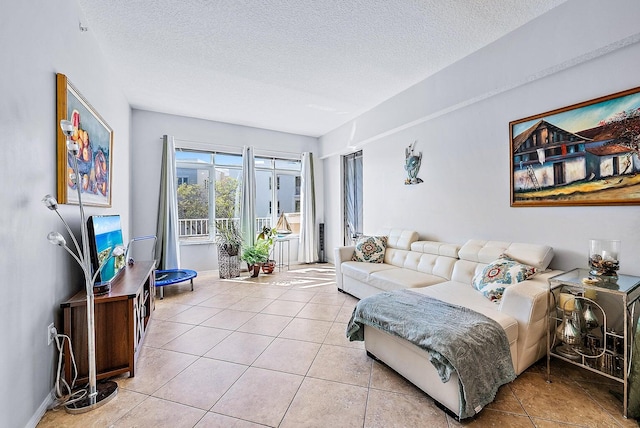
pixel 583 154
pixel 95 140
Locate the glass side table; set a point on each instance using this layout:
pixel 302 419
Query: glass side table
pixel 583 327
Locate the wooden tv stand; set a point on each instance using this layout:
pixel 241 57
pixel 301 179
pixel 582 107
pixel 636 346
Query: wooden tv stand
pixel 121 320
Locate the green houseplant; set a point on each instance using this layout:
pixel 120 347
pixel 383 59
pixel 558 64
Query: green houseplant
pixel 255 255
pixel 229 241
pixel 268 234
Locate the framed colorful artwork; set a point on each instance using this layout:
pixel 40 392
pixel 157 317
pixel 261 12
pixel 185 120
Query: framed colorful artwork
pixel 584 154
pixel 95 141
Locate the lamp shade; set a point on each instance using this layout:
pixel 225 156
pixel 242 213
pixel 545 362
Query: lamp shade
pixel 50 202
pixel 72 147
pixel 56 239
pixel 67 127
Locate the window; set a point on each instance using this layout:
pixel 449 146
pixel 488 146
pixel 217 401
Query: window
pixel 209 186
pixel 194 175
pixel 283 197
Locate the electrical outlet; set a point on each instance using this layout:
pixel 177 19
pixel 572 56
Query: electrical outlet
pixel 51 333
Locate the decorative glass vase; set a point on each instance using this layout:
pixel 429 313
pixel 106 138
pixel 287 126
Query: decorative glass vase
pixel 590 319
pixel 568 331
pixel 603 257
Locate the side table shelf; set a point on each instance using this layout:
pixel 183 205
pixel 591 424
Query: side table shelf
pixel 583 330
pixel 121 320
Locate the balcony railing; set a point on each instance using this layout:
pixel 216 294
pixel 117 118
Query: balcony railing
pixel 199 227
pixel 193 227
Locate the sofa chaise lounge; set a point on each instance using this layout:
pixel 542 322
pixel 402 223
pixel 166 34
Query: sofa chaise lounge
pixel 445 272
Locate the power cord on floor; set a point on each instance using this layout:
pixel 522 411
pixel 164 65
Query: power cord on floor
pixel 64 394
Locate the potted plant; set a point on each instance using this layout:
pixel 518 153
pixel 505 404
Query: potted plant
pixel 255 255
pixel 267 235
pixel 229 241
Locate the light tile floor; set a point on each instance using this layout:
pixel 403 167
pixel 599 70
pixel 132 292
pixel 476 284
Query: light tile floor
pixel 271 351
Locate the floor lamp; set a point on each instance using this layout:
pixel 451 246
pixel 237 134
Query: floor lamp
pixel 96 395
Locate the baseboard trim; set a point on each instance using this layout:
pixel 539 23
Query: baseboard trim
pixel 42 409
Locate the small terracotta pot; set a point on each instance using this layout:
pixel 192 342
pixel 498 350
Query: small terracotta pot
pixel 269 266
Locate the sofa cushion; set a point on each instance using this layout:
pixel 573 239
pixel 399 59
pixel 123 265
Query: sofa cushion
pixel 399 238
pixel 461 294
pixel 499 274
pixel 399 278
pixel 396 257
pixel 434 258
pixel 370 249
pixel 485 252
pixel 436 248
pixel 362 270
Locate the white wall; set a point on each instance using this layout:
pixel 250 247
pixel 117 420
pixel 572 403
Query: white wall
pixel 460 117
pixel 147 131
pixel 38 39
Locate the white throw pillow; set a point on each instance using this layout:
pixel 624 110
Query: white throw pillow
pixel 370 249
pixel 499 274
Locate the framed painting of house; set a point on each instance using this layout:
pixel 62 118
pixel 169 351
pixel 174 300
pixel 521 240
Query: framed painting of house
pixel 95 141
pixel 584 154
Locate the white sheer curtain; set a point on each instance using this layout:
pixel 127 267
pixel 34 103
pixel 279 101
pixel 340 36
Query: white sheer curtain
pixel 168 245
pixel 248 197
pixel 308 246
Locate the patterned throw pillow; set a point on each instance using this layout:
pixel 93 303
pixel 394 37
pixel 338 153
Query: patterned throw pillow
pixel 498 275
pixel 370 249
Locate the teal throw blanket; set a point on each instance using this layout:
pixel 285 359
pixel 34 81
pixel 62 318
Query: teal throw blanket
pixel 457 339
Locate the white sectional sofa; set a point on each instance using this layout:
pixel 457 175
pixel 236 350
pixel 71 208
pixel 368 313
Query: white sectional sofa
pixel 445 272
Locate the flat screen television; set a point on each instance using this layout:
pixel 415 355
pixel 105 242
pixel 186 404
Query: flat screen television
pixel 105 233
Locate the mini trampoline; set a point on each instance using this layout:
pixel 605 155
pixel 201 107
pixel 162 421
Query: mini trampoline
pixel 173 276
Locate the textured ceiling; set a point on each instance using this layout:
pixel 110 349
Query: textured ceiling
pixel 299 66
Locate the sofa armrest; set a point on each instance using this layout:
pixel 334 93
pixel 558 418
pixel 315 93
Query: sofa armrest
pixel 342 254
pixel 527 302
pixel 517 298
